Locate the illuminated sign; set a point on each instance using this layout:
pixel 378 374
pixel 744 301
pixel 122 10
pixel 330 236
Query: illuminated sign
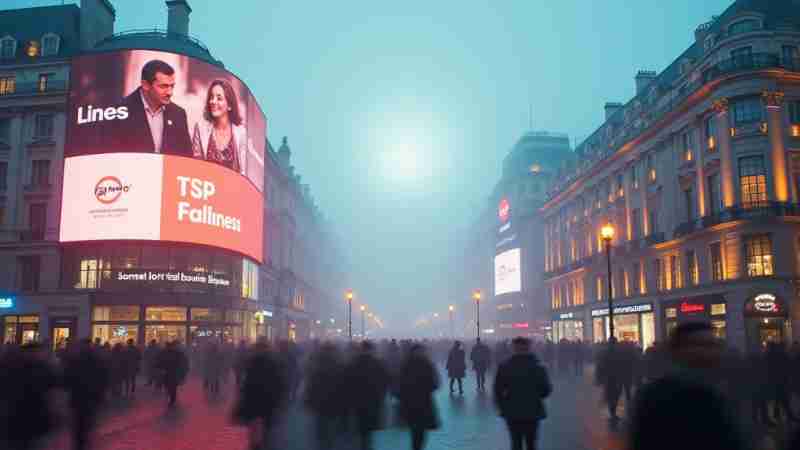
pixel 766 303
pixel 176 177
pixel 644 307
pixel 520 325
pixel 267 313
pixel 690 308
pixel 167 277
pixel 503 210
pixel 488 330
pixel 565 316
pixel 6 302
pixel 507 277
pixel 505 227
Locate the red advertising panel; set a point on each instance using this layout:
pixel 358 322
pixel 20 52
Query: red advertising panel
pixel 162 146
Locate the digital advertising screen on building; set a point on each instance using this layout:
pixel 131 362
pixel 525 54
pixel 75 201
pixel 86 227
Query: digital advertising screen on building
pixel 164 147
pixel 507 274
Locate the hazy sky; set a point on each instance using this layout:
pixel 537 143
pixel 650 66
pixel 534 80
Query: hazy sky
pixel 399 112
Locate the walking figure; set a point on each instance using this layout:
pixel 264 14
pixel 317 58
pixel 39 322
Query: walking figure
pixel 173 366
pixel 419 380
pixel 481 357
pixel 457 366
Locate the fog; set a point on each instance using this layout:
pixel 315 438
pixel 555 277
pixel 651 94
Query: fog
pixel 399 113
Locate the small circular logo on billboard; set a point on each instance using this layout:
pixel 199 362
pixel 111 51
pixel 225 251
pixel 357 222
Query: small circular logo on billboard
pixel 109 189
pixel 503 210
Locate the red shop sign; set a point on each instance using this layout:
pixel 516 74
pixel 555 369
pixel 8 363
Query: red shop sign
pixel 690 308
pixel 521 325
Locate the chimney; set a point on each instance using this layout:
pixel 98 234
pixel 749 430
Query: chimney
pixel 178 17
pixel 285 153
pixel 97 22
pixel 643 79
pixel 611 108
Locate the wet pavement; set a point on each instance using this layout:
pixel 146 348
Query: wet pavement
pixel 575 421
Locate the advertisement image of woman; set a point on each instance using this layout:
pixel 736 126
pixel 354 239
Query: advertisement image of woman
pixel 221 137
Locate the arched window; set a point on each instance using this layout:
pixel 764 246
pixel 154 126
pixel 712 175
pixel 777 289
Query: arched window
pixel 50 44
pixel 744 26
pixel 8 47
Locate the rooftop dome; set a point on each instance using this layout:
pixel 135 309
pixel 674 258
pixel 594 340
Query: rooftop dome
pixel 158 39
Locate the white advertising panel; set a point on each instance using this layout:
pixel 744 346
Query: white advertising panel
pixel 507 274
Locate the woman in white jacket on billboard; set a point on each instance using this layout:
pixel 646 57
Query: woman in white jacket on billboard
pixel 221 136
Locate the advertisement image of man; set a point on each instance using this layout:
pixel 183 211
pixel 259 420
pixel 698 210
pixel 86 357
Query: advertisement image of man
pixel 154 123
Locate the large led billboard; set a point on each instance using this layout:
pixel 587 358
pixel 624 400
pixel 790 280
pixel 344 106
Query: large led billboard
pixel 507 277
pixel 162 146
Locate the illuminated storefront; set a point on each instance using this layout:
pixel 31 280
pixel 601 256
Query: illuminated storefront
pixel 568 325
pixel 632 323
pixel 766 320
pixel 711 309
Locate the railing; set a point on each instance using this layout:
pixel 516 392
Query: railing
pixel 155 32
pixel 36 88
pixel 755 210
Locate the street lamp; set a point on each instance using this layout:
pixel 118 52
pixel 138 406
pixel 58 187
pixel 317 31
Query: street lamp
pixel 451 308
pixel 607 234
pixel 349 296
pixel 476 295
pixel 363 313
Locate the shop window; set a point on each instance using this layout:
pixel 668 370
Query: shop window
pixel 758 255
pixel 165 314
pixel 715 252
pixel 115 333
pixel 691 267
pixel 115 314
pixel 165 333
pixel 753 181
pixel 718 309
pixel 234 316
pixel 671 313
pixel 748 110
pixel 206 315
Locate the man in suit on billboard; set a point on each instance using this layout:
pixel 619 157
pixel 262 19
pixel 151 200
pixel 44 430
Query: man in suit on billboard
pixel 154 124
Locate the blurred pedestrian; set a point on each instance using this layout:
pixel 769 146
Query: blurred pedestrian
pixel 26 382
pixel 323 394
pixel 173 365
pixel 367 385
pixel 481 358
pixel 418 381
pixel 457 366
pixel 520 387
pixel 86 379
pixel 611 375
pixel 118 368
pixel 239 361
pixel 133 363
pixel 579 355
pixel 686 399
pixel 262 394
pixel 213 363
pixel 149 357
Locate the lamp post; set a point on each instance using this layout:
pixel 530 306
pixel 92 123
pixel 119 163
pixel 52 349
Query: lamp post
pixel 476 295
pixel 607 234
pixel 349 296
pixel 363 313
pixel 452 331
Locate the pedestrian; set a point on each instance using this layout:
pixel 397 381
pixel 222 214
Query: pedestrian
pixel 239 361
pixel 610 375
pixel 323 395
pixel 418 381
pixel 579 354
pixel 262 393
pixel 150 355
pixel 86 378
pixel 520 387
pixel 118 369
pixel 26 382
pixel 481 358
pixel 173 366
pixel 367 382
pixel 457 366
pixel 213 363
pixel 686 400
pixel 133 363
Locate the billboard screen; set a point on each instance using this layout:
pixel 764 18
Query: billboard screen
pixel 162 146
pixel 507 277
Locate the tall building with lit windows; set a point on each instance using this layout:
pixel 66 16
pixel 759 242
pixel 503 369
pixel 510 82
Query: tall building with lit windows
pixel 699 174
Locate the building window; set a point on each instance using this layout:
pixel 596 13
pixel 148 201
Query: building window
pixel 626 282
pixel 620 186
pixel 3 175
pixel 688 199
pixel 44 126
pixel 651 168
pixel 635 176
pixel 659 271
pixel 249 280
pixel 50 44
pixel 710 130
pixel 748 110
pixel 686 146
pixel 40 172
pixel 691 267
pixel 715 251
pixel 37 219
pixel 653 221
pixel 5 130
pixel 636 224
pixel 743 26
pixel 753 181
pixel 758 255
pixel 29 272
pixel 44 78
pixel 8 85
pixel 675 269
pixel 714 197
pixel 8 47
pixel 794 112
pixel 599 287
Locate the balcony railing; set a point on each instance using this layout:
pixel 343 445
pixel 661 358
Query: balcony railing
pixel 749 211
pixel 54 86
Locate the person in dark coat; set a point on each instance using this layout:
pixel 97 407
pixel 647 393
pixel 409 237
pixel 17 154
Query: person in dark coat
pixel 118 369
pixel 86 378
pixel 611 375
pixel 457 366
pixel 367 385
pixel 150 356
pixel 26 381
pixel 579 354
pixel 418 381
pixel 262 393
pixel 481 357
pixel 240 361
pixel 520 387
pixel 173 366
pixel 685 399
pixel 323 395
pixel 213 363
pixel 133 363
pixel 778 371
